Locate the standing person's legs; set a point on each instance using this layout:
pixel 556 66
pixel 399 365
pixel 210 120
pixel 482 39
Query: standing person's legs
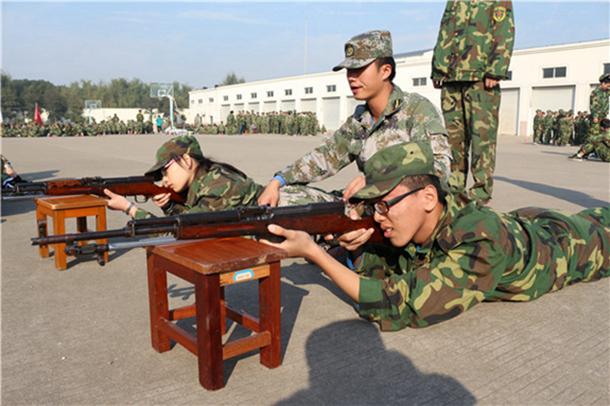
pixel 456 121
pixel 484 108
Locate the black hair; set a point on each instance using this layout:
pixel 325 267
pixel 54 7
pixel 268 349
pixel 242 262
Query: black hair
pixel 605 123
pixel 388 60
pixel 420 181
pixel 206 163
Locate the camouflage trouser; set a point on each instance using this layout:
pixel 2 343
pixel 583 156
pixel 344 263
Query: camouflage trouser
pixel 600 146
pixel 293 195
pixel 538 135
pixel 471 117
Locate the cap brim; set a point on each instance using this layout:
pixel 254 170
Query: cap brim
pixel 351 63
pixel 155 170
pixel 375 190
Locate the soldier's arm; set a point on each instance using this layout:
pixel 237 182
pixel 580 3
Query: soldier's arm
pixel 422 296
pixel 503 33
pixel 322 162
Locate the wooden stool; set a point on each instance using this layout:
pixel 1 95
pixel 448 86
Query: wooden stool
pixel 211 265
pixel 61 208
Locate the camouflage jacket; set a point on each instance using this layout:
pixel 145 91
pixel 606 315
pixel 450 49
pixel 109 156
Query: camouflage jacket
pixel 476 254
pixel 538 120
pixel 598 103
pixel 407 117
pixel 218 188
pixel 475 40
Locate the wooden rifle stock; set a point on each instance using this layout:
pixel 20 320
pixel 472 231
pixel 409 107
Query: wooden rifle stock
pixel 315 218
pixel 128 186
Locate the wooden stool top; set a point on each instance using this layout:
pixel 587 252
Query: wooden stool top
pixel 71 202
pixel 219 255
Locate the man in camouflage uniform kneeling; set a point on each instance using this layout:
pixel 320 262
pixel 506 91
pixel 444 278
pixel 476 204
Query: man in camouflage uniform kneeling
pixel 448 253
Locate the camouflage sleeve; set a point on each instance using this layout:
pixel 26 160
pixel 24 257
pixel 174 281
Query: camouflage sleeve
pixel 503 32
pixel 419 296
pixel 430 120
pixel 324 161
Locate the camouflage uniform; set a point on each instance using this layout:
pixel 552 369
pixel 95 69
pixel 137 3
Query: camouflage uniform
pixel 538 120
pixel 473 254
pixel 566 127
pixel 598 104
pixel 475 42
pixel 548 127
pixel 407 116
pixel 600 144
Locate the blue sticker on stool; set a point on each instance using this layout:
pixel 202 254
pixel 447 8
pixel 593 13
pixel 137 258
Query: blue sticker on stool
pixel 243 275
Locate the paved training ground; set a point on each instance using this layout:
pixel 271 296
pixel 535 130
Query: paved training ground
pixel 81 336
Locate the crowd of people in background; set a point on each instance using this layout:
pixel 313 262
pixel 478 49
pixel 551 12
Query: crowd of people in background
pixel 561 127
pixel 288 123
pixel 283 122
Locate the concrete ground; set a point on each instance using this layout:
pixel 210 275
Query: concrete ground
pixel 81 336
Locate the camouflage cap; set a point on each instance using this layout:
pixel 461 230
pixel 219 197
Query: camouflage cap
pixel 384 170
pixel 176 147
pixel 604 78
pixel 365 48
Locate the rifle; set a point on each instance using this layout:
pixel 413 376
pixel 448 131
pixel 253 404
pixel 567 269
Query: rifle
pixel 315 218
pixel 129 186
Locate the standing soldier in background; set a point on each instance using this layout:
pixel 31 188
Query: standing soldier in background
pixel 566 128
pixel 548 127
pixel 139 127
pixel 471 56
pixel 538 126
pixel 598 104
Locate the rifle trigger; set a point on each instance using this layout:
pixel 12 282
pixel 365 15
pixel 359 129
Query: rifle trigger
pixel 145 199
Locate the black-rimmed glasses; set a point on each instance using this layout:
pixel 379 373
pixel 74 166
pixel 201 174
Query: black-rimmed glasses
pixel 383 206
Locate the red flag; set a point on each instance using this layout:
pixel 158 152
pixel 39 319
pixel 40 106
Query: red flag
pixel 37 117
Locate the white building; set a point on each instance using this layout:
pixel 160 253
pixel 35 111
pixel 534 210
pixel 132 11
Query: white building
pixel 552 77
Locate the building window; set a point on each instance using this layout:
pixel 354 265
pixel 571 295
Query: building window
pixel 288 92
pixel 192 101
pixel 200 101
pixel 270 93
pixel 548 73
pixel 419 81
pixel 225 98
pixel 331 88
pixel 606 68
pixel 211 100
pixel 253 95
pixel 239 97
pixel 509 75
pixel 308 90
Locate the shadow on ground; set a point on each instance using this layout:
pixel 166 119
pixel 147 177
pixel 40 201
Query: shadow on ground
pixel 348 362
pixel 569 195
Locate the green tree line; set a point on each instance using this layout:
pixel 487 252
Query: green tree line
pixel 67 103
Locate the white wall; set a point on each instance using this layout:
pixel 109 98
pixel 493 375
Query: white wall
pixel 584 62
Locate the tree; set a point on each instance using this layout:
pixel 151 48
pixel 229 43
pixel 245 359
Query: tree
pixel 232 79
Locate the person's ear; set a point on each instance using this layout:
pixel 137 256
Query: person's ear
pixel 386 70
pixel 429 198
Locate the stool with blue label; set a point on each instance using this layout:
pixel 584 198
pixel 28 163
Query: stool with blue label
pixel 210 265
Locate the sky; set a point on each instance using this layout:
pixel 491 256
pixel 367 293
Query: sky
pixel 199 42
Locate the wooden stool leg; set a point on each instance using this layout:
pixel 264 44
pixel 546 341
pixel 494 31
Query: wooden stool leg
pixel 159 308
pixel 100 225
pixel 81 227
pixel 43 250
pixel 270 314
pixel 223 311
pixel 59 227
pixel 209 337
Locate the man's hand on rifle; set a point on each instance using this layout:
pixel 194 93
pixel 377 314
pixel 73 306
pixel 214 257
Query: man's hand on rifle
pixel 353 240
pixel 271 194
pixel 354 186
